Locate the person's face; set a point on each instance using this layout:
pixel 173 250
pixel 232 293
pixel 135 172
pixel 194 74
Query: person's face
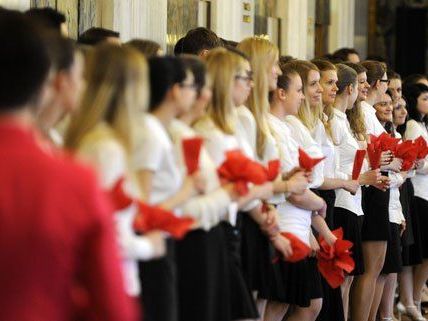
pixel 422 104
pixel 395 88
pixel 242 84
pixel 354 58
pixel 293 96
pixel 201 102
pixel 384 109
pixel 383 84
pixel 329 85
pixel 363 86
pixel 400 112
pixel 187 93
pixel 274 72
pixel 353 95
pixel 313 90
pixel 74 84
pixel 64 30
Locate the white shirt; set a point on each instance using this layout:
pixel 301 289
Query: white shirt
pixel 331 163
pixel 303 137
pixel 155 152
pixel 346 147
pixel 208 209
pixel 101 149
pixel 415 129
pixel 291 218
pixel 249 126
pixel 373 126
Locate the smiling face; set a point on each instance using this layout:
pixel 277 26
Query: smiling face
pixel 422 105
pixel 363 86
pixel 400 112
pixel 395 88
pixel 313 89
pixel 329 85
pixel 384 109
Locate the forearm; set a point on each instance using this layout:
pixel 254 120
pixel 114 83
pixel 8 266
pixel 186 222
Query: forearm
pixel 308 201
pixel 332 183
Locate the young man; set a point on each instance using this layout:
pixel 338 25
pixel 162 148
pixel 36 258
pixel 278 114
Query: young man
pixel 57 252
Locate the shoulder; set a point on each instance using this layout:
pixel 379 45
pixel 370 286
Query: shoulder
pixel 179 130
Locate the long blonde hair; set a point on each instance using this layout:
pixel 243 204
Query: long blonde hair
pixel 116 94
pixel 309 115
pixel 262 54
pixel 222 66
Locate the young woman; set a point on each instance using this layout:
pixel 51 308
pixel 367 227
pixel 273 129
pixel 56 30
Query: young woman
pixel 416 126
pixel 375 199
pixel 172 93
pixel 385 287
pixel 263 57
pixel 301 281
pixel 223 132
pixel 348 212
pixel 101 132
pixel 201 256
pixel 395 85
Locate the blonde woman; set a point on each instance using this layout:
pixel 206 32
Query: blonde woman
pixel 102 133
pixel 230 74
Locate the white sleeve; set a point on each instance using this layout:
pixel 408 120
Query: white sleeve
pixel 208 208
pixel 148 154
pixel 132 246
pixel 396 180
pixel 413 130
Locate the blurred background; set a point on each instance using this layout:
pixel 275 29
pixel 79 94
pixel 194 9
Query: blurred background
pixel 394 31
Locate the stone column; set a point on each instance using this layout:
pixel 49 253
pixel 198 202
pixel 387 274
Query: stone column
pixel 341 31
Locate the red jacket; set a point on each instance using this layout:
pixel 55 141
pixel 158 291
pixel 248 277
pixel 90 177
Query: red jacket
pixel 58 257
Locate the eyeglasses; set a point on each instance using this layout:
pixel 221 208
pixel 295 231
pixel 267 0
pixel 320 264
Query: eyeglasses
pixel 191 86
pixel 385 80
pixel 247 79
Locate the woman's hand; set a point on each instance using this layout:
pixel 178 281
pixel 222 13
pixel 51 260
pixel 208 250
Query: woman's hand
pixel 386 158
pixel 371 177
pixel 351 186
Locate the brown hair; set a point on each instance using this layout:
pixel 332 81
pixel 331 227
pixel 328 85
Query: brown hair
pixel 147 47
pixel 375 70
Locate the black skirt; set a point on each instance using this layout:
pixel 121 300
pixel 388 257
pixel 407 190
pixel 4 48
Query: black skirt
pixel 421 207
pixel 352 225
pixel 301 282
pixel 329 196
pixel 376 214
pixel 393 262
pixel 203 276
pixel 256 250
pixel 159 287
pixel 241 299
pixel 406 197
pixel 412 253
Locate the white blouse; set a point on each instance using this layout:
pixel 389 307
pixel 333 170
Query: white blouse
pixel 346 147
pixel 155 152
pixel 395 209
pixel 415 129
pixel 303 137
pixel 291 218
pixel 331 163
pixel 248 124
pixel 208 209
pixel 101 149
pixel 373 126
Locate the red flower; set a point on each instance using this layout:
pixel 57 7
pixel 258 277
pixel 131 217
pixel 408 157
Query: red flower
pixel 334 261
pixel 408 152
pixel 422 147
pixel 306 162
pixel 300 249
pixel 358 163
pixel 118 197
pixel 191 151
pixel 150 218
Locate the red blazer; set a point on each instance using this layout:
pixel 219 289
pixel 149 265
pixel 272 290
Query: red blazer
pixel 58 257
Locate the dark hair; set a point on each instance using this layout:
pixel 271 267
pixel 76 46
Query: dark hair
pixel 392 74
pixel 343 53
pixel 94 36
pixel 165 72
pixel 357 67
pixel 412 93
pixel 413 79
pixel 376 58
pixel 48 18
pixel 148 48
pixel 24 61
pixel 199 39
pixel 284 80
pixel 61 51
pixel 197 67
pixel 323 64
pixel 284 59
pixel 229 43
pixel 178 48
pixel 332 58
pixel 375 70
pixel 238 52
